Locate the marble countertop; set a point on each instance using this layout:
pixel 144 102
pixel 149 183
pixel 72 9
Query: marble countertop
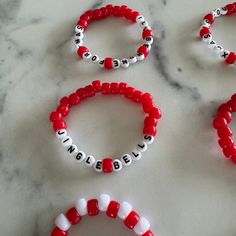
pixel 183 185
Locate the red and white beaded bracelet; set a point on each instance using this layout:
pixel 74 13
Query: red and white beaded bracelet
pixel 111 208
pixel 221 123
pixel 206 35
pixel 117 11
pixel 106 165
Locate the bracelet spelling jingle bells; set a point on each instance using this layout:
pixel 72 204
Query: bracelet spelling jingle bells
pixel 106 165
pixel 221 123
pixel 206 35
pixel 111 208
pixel 117 11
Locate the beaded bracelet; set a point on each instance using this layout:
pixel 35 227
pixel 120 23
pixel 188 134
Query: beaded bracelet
pixel 93 207
pixel 221 124
pixel 117 11
pixel 206 35
pixel 107 165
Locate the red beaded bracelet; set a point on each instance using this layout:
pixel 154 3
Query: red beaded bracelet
pixel 94 207
pixel 206 35
pixel 117 11
pixel 221 124
pixel 107 165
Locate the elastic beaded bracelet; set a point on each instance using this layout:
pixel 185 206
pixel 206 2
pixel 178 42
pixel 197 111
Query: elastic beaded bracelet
pixel 117 11
pixel 94 207
pixel 221 124
pixel 106 165
pixel 206 35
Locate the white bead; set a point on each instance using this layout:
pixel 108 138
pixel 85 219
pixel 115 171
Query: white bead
pixel 147 27
pixel 79 28
pixel 89 161
pixel 205 23
pixel 101 63
pixel 94 58
pixel 62 222
pixel 125 209
pixel 78 42
pixel 224 54
pixel 81 207
pixel 142 146
pixel 79 35
pixel 80 156
pixel 149 40
pixel 142 226
pixel 61 133
pixel 98 166
pixel 136 155
pixel 218 50
pixel 139 19
pixel 148 139
pixel 140 56
pixel 207 38
pixel 116 63
pixel 143 24
pixel 126 160
pixel 223 11
pixel 216 12
pixel 133 59
pixel 86 56
pixel 125 63
pixel 103 202
pixel 117 165
pixel 212 44
pixel 67 141
pixel 72 149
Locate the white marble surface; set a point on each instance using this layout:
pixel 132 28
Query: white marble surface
pixel 183 185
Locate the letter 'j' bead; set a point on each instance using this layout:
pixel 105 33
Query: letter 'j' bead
pixel 62 222
pixel 136 155
pixel 62 133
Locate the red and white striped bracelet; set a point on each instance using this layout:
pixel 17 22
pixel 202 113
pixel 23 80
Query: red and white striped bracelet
pixel 111 208
pixel 206 35
pixel 221 124
pixel 116 11
pixel 106 165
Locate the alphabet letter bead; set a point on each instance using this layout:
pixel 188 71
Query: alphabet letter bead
pixel 80 156
pixel 61 133
pixel 98 166
pixel 67 141
pixel 142 146
pixel 136 155
pixel 117 165
pixel 126 160
pixel 72 149
pixel 89 161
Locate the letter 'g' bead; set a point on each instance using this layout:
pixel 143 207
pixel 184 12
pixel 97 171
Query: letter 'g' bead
pixel 80 156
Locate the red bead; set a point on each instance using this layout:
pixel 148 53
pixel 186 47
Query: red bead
pixel 97 86
pixel 229 151
pixel 64 110
pixel 209 18
pixel 226 115
pixel 74 99
pixel 132 219
pixel 134 15
pixel 233 158
pixel 85 17
pixel 122 87
pixel 109 8
pixel 219 122
pixel 55 116
pixel 59 232
pixel 104 12
pixel 92 207
pixel 89 13
pixel 89 91
pixel 114 88
pixel 151 130
pixel 113 209
pixel 73 216
pixel 83 23
pixel 106 88
pixel 143 50
pixel 137 96
pixel 81 50
pixel 150 121
pixel 148 106
pixel 81 93
pixel 116 11
pixel 224 107
pixel 148 233
pixel 225 142
pixel 123 10
pixel 204 31
pixel 146 97
pixel 232 104
pixel 233 97
pixel 65 101
pixel 230 9
pixel 59 125
pixel 108 63
pixel 97 14
pixel 231 59
pixel 147 33
pixel 128 13
pixel 224 132
pixel 107 165
pixel 129 92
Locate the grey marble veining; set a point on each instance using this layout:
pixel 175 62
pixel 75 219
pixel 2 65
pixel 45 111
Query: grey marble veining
pixel 183 184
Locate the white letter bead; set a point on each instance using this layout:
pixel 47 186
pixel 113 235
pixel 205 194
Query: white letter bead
pixel 101 63
pixel 116 63
pixel 90 160
pixel 142 226
pixel 87 55
pixel 149 40
pixel 79 35
pixel 212 44
pixel 79 28
pixel 94 58
pixel 223 11
pixel 78 42
pixel 72 149
pixel 126 160
pixel 61 133
pixel 216 12
pixel 80 156
pixel 62 223
pixel 133 59
pixel 148 139
pixel 224 54
pixel 125 209
pixel 207 38
pixel 98 166
pixel 142 146
pixel 103 202
pixel 136 155
pixel 143 24
pixel 139 19
pixel 67 141
pixel 81 207
pixel 117 165
pixel 140 56
pixel 125 63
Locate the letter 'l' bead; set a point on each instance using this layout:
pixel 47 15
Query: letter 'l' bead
pixel 142 146
pixel 124 211
pixel 103 202
pixel 136 155
pixel 61 133
pixel 62 222
pixel 89 161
